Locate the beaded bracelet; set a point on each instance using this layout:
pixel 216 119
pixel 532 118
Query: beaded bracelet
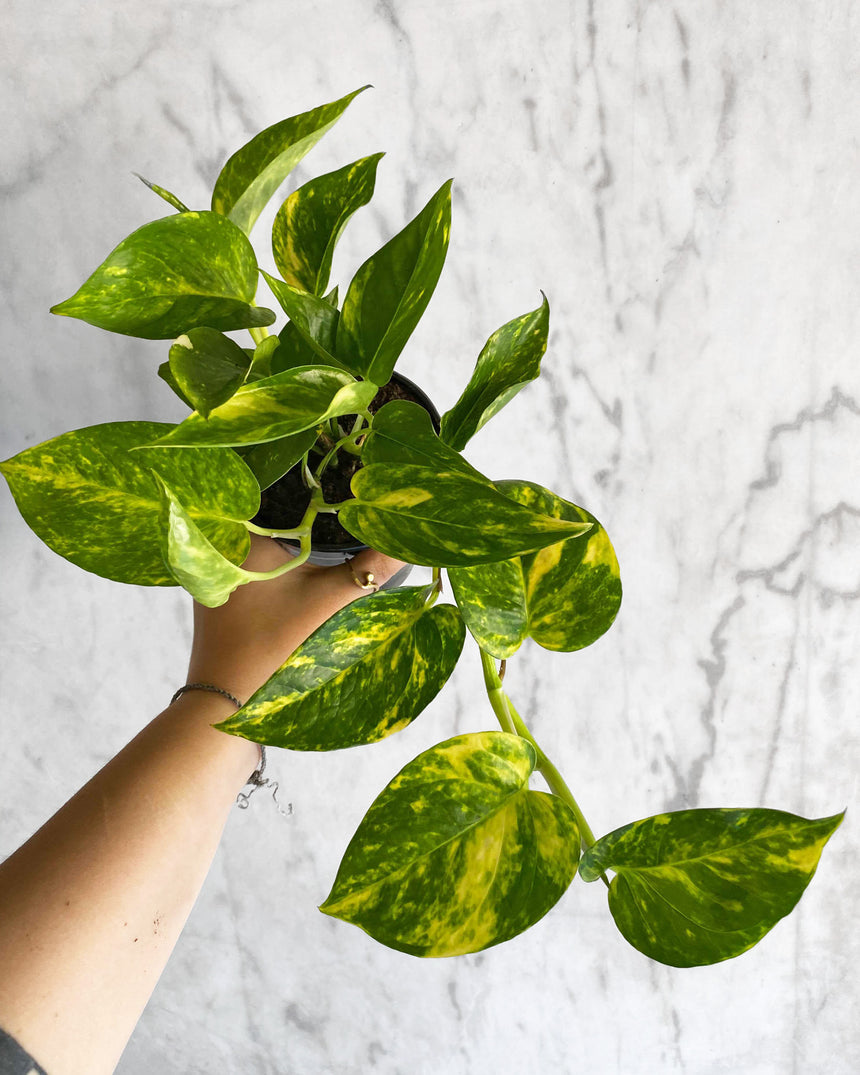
pixel 256 778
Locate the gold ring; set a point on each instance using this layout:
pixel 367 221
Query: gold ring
pixel 368 584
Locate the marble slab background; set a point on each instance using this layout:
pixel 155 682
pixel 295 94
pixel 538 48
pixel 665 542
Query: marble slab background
pixel 682 183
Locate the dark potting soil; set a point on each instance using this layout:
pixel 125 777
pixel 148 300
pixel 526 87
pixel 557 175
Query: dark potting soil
pixel 284 503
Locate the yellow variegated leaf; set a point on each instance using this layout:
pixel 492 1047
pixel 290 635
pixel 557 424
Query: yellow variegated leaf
pixel 564 596
pixel 91 496
pixel 311 220
pixel 445 518
pixel 172 275
pixel 457 853
pixel 253 174
pixel 275 407
pixel 365 673
pixel 700 886
pixel 389 294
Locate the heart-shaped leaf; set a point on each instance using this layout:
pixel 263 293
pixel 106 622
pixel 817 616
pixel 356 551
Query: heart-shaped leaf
pixel 402 432
pixel 275 407
pixel 700 886
pixel 314 319
pixel 509 360
pixel 172 275
pixel 208 367
pixel 457 853
pixel 389 293
pixel 444 518
pixel 94 501
pixel 366 673
pixel 311 220
pixel 193 560
pixel 253 174
pixel 565 596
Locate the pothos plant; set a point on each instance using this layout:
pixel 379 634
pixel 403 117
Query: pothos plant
pixel 458 852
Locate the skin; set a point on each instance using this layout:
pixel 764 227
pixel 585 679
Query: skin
pixel 94 902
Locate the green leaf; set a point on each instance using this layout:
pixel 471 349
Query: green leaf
pixel 165 373
pixel 564 596
pixel 294 349
pixel 493 601
pixel 253 174
pixel 402 432
pixel 444 518
pixel 312 219
pixel 261 358
pixel 94 501
pixel 171 199
pixel 275 407
pixel 366 673
pixel 389 293
pixel 273 459
pixel 457 853
pixel 193 560
pixel 314 319
pixel 208 367
pixel 509 360
pixel 700 886
pixel 172 275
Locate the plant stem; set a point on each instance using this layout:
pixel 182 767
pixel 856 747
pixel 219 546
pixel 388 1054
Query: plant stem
pixel 302 532
pixel 258 334
pixel 553 777
pixel 435 588
pixel 498 699
pixel 344 443
pixel 511 721
pixel 268 532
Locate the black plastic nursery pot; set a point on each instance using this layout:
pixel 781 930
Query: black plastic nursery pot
pixel 284 503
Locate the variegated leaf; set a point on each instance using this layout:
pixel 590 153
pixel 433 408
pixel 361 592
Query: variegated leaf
pixel 166 374
pixel 275 407
pixel 389 293
pixel 273 459
pixel 402 432
pixel 564 596
pixel 311 220
pixel 444 518
pixel 509 360
pixel 208 367
pixel 314 319
pixel 193 560
pixel 364 674
pixel 171 199
pixel 700 886
pixel 95 502
pixel 172 275
pixel 253 174
pixel 457 853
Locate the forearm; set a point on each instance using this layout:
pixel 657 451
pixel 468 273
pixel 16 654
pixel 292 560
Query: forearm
pixel 93 903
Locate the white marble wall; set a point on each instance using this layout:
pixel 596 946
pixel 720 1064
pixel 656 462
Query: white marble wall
pixel 682 183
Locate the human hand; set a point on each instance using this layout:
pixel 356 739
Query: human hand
pixel 238 645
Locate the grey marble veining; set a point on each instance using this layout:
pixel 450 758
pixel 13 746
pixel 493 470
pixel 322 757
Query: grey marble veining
pixel 681 182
